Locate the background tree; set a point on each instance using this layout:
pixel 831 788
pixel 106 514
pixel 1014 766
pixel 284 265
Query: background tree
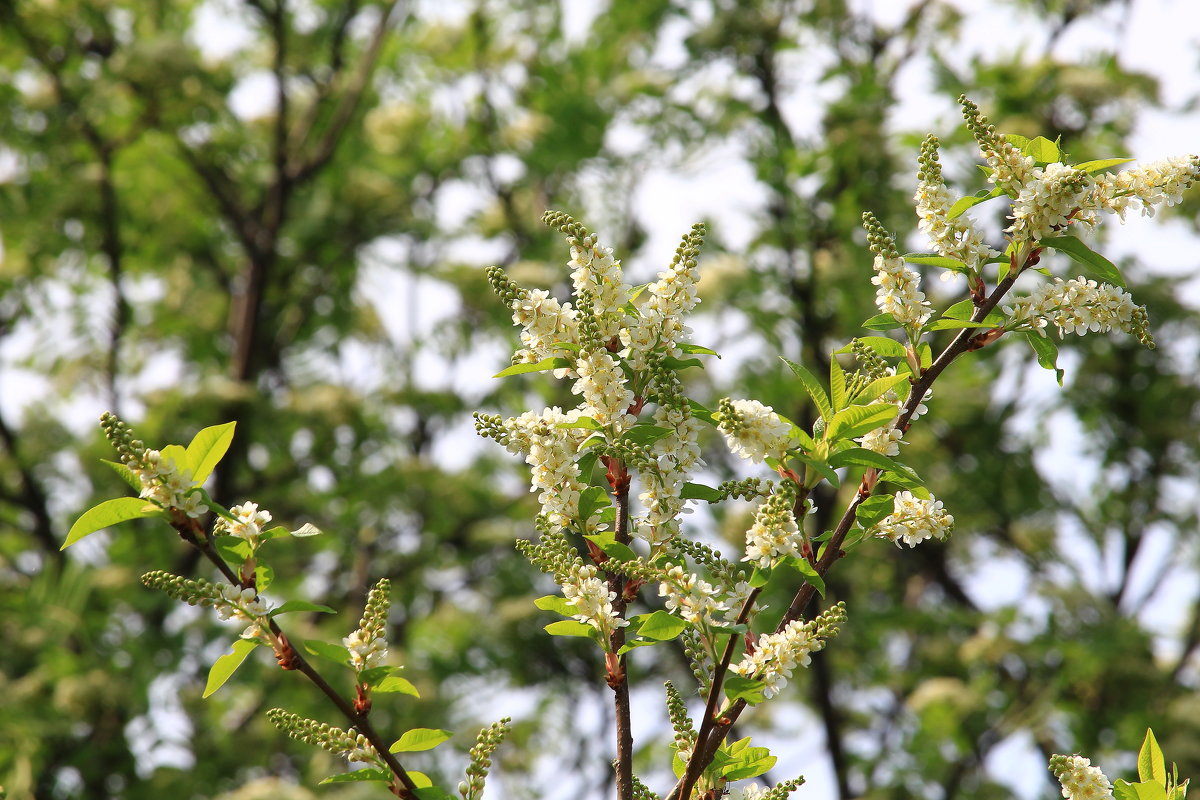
pixel 279 212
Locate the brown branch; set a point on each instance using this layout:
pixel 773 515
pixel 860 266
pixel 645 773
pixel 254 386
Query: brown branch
pixel 617 665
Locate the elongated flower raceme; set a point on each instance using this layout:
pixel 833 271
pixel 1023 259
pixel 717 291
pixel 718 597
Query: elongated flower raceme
pixel 752 430
pixel 897 294
pixel 590 596
pixel 1079 306
pixel 954 238
pixel 776 655
pixel 774 534
pixel 913 520
pixel 690 598
pixel 368 644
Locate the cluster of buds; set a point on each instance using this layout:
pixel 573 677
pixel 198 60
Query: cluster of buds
pixel 775 655
pixel 368 644
pixel 1079 779
pixel 752 430
pixel 481 758
pixel 348 744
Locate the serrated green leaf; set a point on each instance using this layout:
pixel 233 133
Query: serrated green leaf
pixel 934 260
pixel 292 606
pixel 591 499
pixel 570 627
pixel 224 667
pixel 813 387
pixel 108 513
pixel 330 652
pixel 1095 265
pixel 882 322
pixel 698 491
pixel 541 366
pixel 809 574
pixel 646 435
pixel 873 509
pixel 396 685
pixel 1042 150
pixel 837 386
pixel 126 474
pixel 740 688
pixel 750 763
pixel 882 345
pixel 358 775
pixel 264 576
pixel 419 739
pixel 861 457
pixel 207 448
pixel 1091 167
pixel 586 423
pixel 877 388
pixel 963 203
pixel 611 547
pixel 232 549
pixel 662 626
pixel 859 420
pixel 695 349
pixel 1151 765
pixel 1046 351
pixel 557 604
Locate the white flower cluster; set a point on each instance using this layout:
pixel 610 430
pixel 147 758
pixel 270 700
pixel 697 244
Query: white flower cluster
pixel 602 386
pixel 165 484
pixel 544 323
pixel 550 452
pixel 1146 187
pixel 885 440
pixel 914 520
pixel 366 651
pixel 591 597
pixel 241 604
pixel 675 457
pixel 1079 779
pixel 898 294
pixel 1048 200
pixel 776 655
pixel 672 296
pixel 774 534
pixel 756 432
pixel 1078 306
pixel 953 238
pixel 593 269
pixel 1010 169
pixel 247 523
pixel 690 598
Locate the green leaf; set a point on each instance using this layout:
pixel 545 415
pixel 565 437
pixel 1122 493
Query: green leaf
pixel 813 387
pixel 1101 164
pixel 1095 265
pixel 1146 790
pixel 307 529
pixel 750 763
pixel 264 576
pixel 963 309
pixel 662 627
pixel 557 604
pixel 419 739
pixel 1017 140
pixel 821 467
pixel 292 606
pixel 1151 765
pixel 110 512
pixel 861 457
pixel 809 573
pixel 925 355
pixel 934 260
pixel 740 688
pixel 698 491
pixel 670 362
pixel 126 474
pixel 591 499
pixel 874 509
pixel 645 434
pixel 232 549
pixel 278 532
pixel 328 651
pixel 358 775
pixel 224 667
pixel 1046 351
pixel 859 420
pixel 570 627
pixel 1042 150
pixel 396 684
pixel 179 456
pixel 702 413
pixel 432 792
pixel 963 203
pixel 611 547
pixel 906 480
pixel 877 388
pixel 993 320
pixel 207 448
pixel 882 322
pixel 837 386
pixel 541 366
pixel 586 423
pixel 696 349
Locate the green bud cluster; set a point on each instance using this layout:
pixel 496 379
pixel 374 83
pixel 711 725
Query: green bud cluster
pixel 1139 325
pixel 689 248
pixel 702 668
pixel 346 743
pixel 870 363
pixel 732 421
pixel 505 287
pixel 481 758
pixel 665 388
pixel 491 426
pixel 881 242
pixel 194 592
pixel 633 454
pixel 825 626
pixel 552 553
pixel 746 489
pixel 374 619
pixel 984 133
pixel 929 169
pixel 641 791
pixel 781 791
pixel 129 450
pixel 1061 765
pixel 589 331
pixel 562 222
pixel 702 554
pixel 685 730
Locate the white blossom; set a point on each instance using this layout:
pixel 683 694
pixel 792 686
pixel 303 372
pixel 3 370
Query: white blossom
pixel 898 294
pixel 1079 779
pixel 914 520
pixel 592 599
pixel 690 598
pixel 757 433
pixel 1078 306
pixel 366 651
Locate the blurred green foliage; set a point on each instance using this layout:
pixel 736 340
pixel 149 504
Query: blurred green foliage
pixel 279 213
